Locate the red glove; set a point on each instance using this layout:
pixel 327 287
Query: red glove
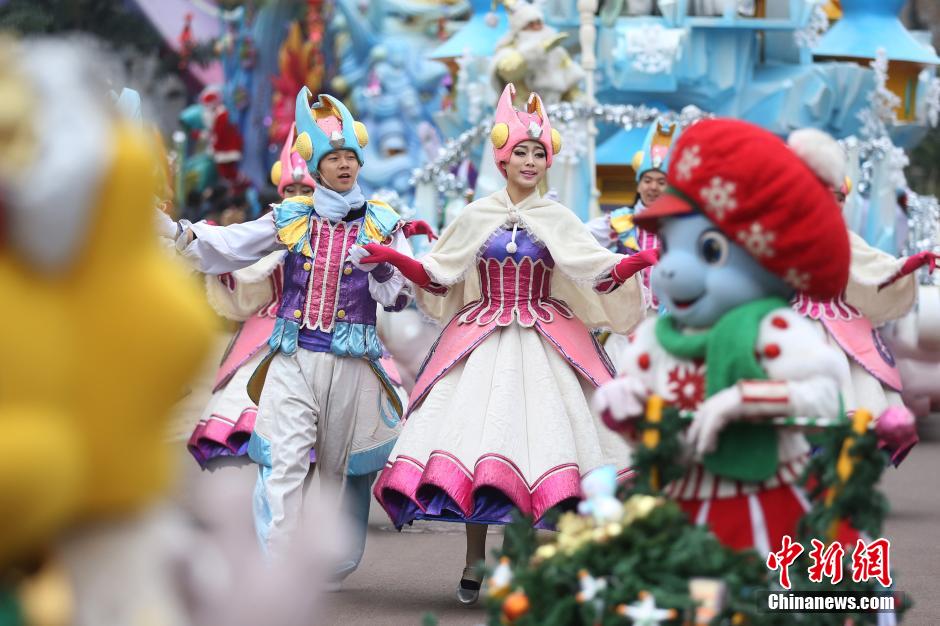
pixel 632 264
pixel 418 227
pixel 410 268
pixel 913 263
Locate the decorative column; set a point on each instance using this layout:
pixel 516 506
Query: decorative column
pixel 588 37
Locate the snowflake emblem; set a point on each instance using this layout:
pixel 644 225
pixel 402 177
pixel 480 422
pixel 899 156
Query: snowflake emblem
pixel 758 241
pixel 687 386
pixel 719 197
pixel 797 279
pixel 689 161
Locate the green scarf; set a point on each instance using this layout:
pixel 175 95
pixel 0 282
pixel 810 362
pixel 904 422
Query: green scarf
pixel 746 451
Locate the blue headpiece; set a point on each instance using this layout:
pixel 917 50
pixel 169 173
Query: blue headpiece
pixel 654 155
pixel 325 127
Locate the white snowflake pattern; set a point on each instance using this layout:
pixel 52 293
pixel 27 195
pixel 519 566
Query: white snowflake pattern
pixel 797 279
pixel 653 49
pixel 758 241
pixel 719 197
pixel 689 161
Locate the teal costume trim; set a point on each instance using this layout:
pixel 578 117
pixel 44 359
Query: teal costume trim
pixel 259 451
pixel 369 461
pixel 356 340
pixel 284 336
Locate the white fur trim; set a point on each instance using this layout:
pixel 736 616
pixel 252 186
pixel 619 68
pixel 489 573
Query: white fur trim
pixel 260 270
pixel 821 153
pixel 238 305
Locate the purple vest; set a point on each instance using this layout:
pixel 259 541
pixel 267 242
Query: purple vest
pixel 327 296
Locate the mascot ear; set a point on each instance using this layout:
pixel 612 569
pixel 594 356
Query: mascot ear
pixel 362 134
pixel 499 135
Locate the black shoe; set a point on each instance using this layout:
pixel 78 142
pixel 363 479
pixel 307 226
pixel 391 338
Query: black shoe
pixel 468 591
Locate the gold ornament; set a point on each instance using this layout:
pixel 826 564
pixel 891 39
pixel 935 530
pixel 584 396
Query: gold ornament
pixel 276 173
pixel 546 552
pixel 515 605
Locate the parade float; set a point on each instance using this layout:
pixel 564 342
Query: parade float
pixel 424 75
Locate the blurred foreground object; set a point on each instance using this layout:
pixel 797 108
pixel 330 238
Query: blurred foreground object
pixel 99 334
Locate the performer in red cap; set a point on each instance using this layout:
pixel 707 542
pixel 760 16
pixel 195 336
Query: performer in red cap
pixel 745 223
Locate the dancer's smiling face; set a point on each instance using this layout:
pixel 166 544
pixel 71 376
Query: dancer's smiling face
pixel 338 170
pixel 526 165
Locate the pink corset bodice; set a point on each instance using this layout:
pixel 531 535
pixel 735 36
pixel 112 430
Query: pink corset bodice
pixel 514 286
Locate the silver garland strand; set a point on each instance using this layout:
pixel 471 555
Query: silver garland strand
pixel 923 223
pixel 874 151
pixel 456 150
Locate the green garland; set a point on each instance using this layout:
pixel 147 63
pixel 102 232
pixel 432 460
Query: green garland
pixel 656 550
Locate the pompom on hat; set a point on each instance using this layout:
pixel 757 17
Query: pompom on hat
pixel 764 197
pixel 290 169
pixel 511 127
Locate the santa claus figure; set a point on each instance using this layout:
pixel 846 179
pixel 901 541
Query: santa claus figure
pixel 530 57
pixel 224 139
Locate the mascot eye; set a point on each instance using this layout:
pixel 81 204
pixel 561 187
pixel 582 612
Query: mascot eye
pixel 713 246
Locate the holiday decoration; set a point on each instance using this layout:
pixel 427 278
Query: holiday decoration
pixel 645 612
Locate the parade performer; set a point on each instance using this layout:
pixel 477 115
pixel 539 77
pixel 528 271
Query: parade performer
pixel 251 296
pixel 323 386
pixel 617 230
pixel 880 289
pixel 499 417
pixel 745 223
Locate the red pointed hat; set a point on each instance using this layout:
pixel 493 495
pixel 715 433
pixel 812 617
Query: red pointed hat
pixel 761 195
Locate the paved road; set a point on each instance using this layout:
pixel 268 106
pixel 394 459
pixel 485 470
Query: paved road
pixel 405 575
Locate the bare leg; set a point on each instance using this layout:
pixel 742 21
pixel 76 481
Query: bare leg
pixel 468 591
pixel 476 544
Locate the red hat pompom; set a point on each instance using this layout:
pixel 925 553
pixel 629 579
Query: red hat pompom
pixel 764 198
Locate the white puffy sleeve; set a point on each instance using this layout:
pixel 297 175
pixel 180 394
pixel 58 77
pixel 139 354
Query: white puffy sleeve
pixel 221 249
pixel 804 371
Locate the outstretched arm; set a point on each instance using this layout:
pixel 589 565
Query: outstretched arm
pixel 220 249
pixel 412 269
pixel 626 269
pixel 913 263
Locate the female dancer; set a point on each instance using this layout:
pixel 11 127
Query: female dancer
pixel 500 416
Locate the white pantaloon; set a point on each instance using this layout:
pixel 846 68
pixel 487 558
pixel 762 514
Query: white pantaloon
pixel 310 400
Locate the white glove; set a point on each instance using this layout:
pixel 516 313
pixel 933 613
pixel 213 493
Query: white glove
pixel 624 397
pixel 166 227
pixel 358 252
pixel 711 417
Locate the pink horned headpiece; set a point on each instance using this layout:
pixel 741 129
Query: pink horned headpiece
pixel 512 127
pixel 291 168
